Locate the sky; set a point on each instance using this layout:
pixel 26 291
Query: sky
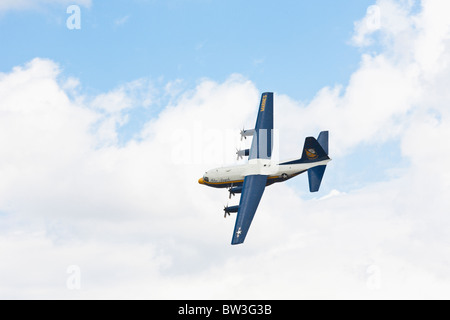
pixel 110 111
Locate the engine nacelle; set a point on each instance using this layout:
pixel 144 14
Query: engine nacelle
pixel 235 190
pixel 242 153
pixel 227 210
pixel 231 209
pixel 247 133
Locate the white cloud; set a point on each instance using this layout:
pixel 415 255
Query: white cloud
pixel 135 221
pixel 390 20
pixel 138 92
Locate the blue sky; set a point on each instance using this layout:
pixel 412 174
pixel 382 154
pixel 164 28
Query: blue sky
pixel 290 47
pixel 104 132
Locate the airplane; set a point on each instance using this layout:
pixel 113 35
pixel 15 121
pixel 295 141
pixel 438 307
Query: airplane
pixel 251 179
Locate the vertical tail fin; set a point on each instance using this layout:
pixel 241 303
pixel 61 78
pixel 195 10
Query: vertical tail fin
pixel 313 151
pixel 315 174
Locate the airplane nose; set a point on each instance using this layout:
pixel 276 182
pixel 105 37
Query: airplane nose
pixel 201 181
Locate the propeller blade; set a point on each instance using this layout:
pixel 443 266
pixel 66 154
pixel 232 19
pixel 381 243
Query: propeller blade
pixel 243 134
pixel 225 209
pixel 239 154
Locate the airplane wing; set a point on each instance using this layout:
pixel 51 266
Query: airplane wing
pixel 252 191
pixel 262 139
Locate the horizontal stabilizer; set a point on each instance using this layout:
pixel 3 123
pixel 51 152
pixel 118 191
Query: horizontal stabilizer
pixel 315 176
pixel 320 146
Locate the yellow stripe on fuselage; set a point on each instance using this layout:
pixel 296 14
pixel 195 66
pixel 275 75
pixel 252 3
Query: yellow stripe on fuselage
pixel 224 182
pixel 235 181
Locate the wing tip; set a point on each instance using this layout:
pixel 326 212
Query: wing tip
pixel 235 242
pixel 238 237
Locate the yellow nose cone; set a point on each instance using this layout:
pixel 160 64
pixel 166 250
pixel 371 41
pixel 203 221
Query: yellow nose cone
pixel 201 181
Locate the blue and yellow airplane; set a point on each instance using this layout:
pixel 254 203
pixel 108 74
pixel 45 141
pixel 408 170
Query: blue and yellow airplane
pixel 251 179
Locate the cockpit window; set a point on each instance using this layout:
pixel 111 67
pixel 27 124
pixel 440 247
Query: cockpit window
pixel 206 178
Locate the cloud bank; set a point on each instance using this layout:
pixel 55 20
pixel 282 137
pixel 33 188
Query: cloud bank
pixel 135 222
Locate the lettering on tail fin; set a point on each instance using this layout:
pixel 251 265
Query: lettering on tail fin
pixel 263 103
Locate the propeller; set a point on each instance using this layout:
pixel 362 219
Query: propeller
pixel 239 153
pixel 225 209
pixel 243 134
pixel 231 193
pixel 228 209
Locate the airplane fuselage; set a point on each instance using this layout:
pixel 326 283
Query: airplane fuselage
pixel 232 176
